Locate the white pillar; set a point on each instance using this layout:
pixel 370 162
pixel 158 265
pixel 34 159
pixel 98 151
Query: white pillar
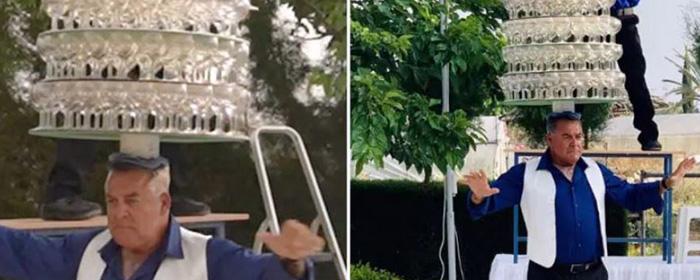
pixel 561 106
pixel 142 145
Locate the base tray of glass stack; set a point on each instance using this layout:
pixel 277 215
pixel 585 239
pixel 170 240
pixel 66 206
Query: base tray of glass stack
pixel 581 87
pixel 115 136
pixel 178 112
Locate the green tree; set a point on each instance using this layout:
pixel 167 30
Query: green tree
pixel 25 159
pixel 532 120
pixel 689 87
pixel 692 22
pixel 366 272
pixel 397 53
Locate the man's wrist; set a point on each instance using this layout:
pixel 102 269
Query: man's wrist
pixel 665 185
pixel 295 268
pixel 476 200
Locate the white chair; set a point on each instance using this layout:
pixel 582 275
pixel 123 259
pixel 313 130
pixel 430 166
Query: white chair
pixel 685 245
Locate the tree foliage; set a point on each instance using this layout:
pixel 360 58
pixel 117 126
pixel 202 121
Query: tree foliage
pixel 366 272
pixel 532 120
pixel 688 89
pixel 397 54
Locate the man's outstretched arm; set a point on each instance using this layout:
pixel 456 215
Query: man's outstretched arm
pixel 642 196
pixel 29 256
pixel 485 198
pixel 290 259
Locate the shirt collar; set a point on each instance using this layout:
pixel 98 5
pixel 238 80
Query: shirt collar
pixel 170 247
pixel 174 240
pixel 546 162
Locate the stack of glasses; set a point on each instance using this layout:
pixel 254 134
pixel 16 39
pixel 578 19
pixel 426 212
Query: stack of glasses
pixel 561 51
pixel 175 68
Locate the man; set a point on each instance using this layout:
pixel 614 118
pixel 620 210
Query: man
pixel 633 65
pixel 143 241
pixel 562 196
pixel 75 160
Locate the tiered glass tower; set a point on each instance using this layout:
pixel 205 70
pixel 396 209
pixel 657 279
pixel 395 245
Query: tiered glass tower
pixel 561 52
pixel 176 69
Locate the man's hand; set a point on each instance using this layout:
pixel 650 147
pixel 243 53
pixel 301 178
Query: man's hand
pixel 683 168
pixel 295 243
pixel 479 184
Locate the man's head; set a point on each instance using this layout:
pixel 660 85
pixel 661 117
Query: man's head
pixel 564 137
pixel 138 201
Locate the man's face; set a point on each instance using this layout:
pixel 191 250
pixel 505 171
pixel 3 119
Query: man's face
pixel 565 142
pixel 136 214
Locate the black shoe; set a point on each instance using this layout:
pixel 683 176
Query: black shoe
pixel 70 209
pixel 651 146
pixel 182 206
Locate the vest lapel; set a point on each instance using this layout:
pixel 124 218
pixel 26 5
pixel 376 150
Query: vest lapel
pixel 92 265
pixel 595 179
pixel 537 203
pixel 192 267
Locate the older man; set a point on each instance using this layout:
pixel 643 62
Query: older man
pixel 562 196
pixel 143 241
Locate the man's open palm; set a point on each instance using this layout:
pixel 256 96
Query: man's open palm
pixel 295 241
pixel 683 168
pixel 479 184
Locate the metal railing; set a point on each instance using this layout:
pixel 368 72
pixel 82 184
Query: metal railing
pixel 668 200
pixel 271 222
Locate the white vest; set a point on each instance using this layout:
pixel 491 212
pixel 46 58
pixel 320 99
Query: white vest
pixel 537 203
pixel 192 267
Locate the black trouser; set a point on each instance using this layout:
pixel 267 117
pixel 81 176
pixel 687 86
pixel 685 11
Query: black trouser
pixel 633 65
pixel 538 272
pixel 75 160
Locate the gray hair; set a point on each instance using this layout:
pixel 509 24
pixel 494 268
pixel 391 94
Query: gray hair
pixel 159 181
pixel 555 117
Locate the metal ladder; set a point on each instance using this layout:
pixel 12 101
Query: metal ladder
pixel 271 222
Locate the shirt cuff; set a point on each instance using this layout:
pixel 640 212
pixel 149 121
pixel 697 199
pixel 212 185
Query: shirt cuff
pixel 654 199
pixel 310 274
pixel 477 211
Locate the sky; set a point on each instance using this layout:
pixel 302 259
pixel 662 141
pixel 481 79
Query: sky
pixel 662 30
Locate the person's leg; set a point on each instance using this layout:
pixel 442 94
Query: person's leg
pixel 538 272
pixel 178 178
pixel 181 206
pixel 74 160
pixel 602 274
pixel 633 65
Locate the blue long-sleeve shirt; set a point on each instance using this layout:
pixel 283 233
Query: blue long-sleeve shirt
pixel 622 4
pixel 29 256
pixel 577 226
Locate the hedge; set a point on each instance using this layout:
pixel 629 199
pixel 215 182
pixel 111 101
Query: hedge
pixel 396 226
pixel 366 272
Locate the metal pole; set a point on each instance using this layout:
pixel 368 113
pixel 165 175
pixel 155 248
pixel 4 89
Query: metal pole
pixel 668 166
pixel 450 182
pixel 516 219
